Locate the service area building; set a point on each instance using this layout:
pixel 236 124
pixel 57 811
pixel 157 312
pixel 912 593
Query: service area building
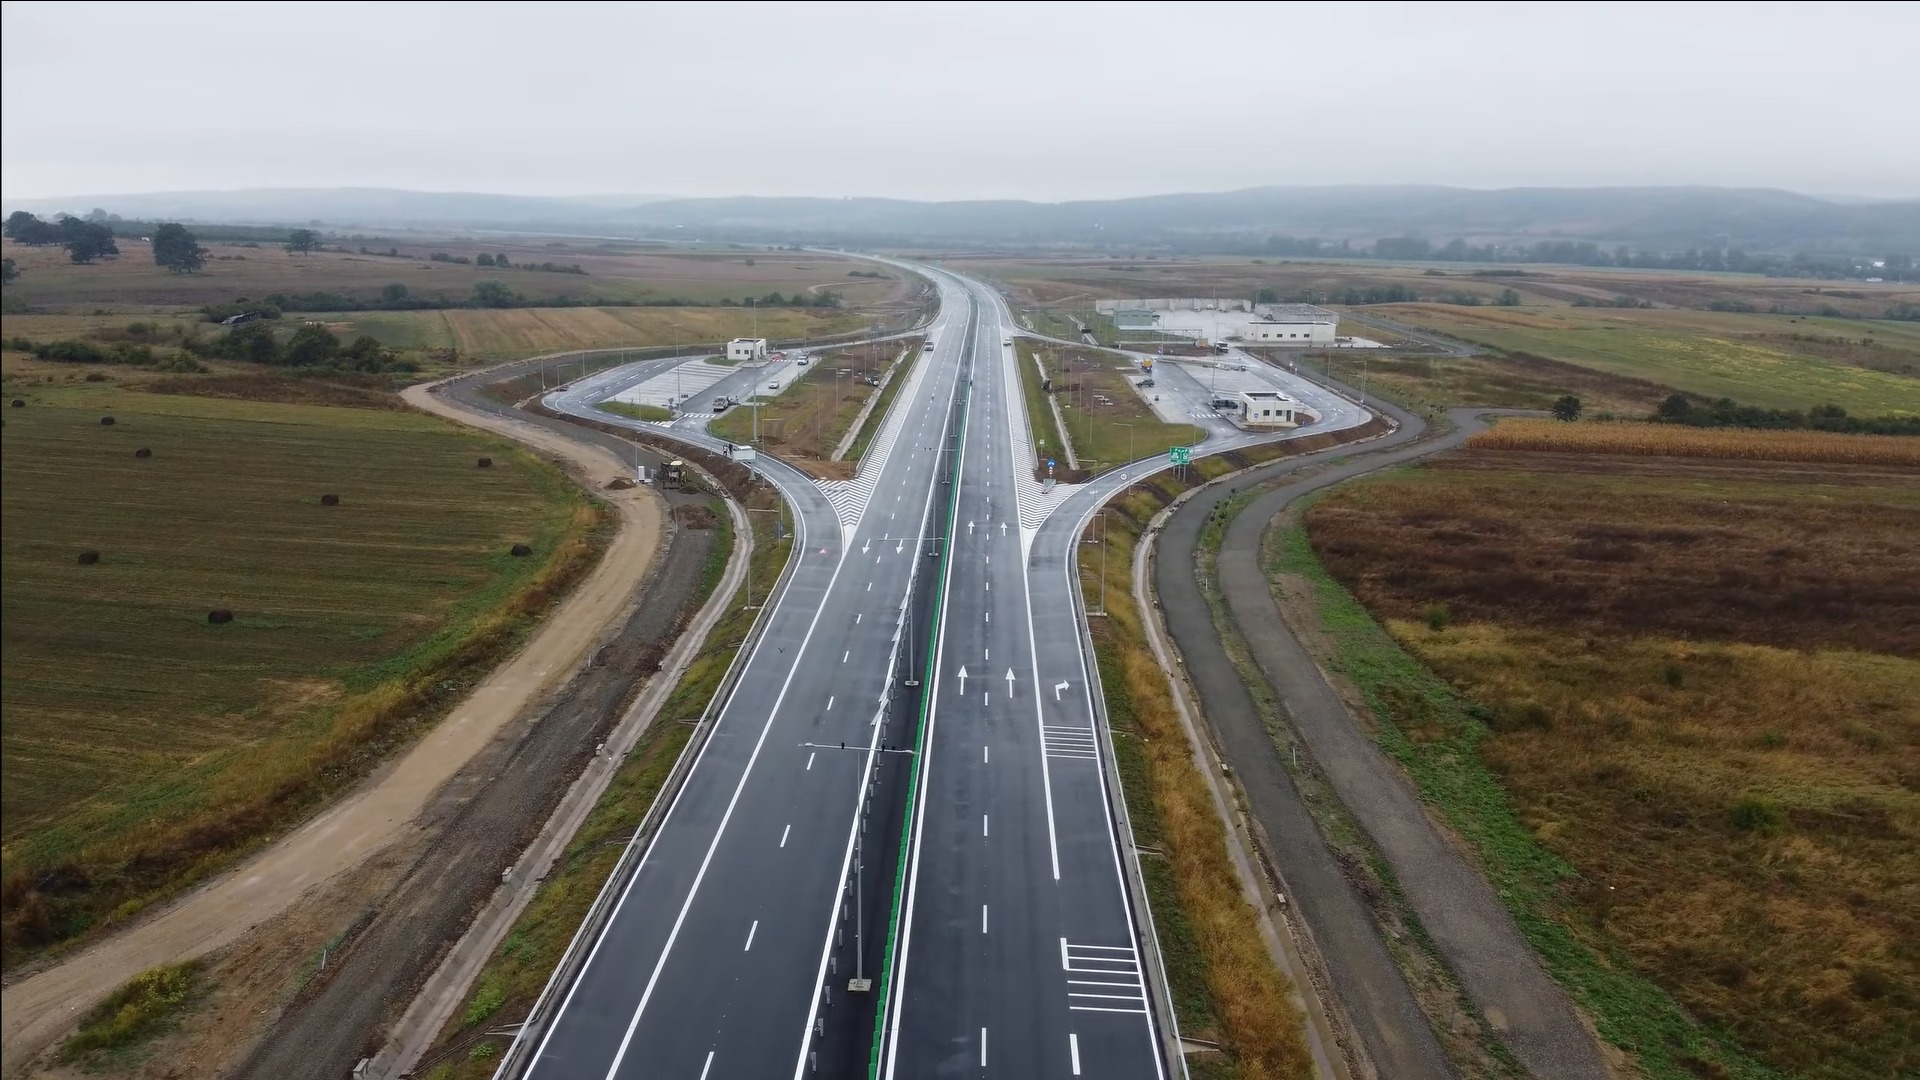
pixel 1268 408
pixel 747 348
pixel 1290 324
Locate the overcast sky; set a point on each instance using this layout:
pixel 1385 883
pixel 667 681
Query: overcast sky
pixel 940 101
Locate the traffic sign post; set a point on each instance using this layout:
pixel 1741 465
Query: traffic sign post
pixel 1180 455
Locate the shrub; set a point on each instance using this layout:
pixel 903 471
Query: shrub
pixel 1437 617
pixel 143 1007
pixel 1753 814
pixel 219 617
pixel 329 500
pixel 484 463
pixel 88 558
pixel 143 453
pixel 521 551
pixel 94 376
pixel 106 421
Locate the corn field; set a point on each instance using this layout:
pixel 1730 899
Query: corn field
pixel 1673 440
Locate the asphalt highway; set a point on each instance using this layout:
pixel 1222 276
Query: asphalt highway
pixel 1019 955
pixel 730 951
pixel 1019 950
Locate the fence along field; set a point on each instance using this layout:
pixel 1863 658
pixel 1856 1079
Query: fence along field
pixel 1675 440
pixel 143 743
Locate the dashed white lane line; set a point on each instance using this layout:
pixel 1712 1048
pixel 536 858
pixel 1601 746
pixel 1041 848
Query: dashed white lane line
pixel 830 701
pixel 983 918
pixel 983 1048
pixel 810 761
pixel 856 617
pixel 844 655
pixel 751 930
pixel 1073 1048
pixel 983 824
pixel 784 832
pixel 986 754
pixel 704 1069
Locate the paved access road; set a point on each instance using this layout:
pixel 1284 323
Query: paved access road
pixel 729 952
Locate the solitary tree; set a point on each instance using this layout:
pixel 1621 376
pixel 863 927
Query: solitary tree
pixel 312 344
pixel 1508 298
pixel 500 261
pixel 1567 408
pixel 176 249
pixel 303 241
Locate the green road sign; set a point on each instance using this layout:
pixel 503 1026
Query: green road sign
pixel 1180 455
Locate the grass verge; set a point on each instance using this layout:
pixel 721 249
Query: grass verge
pixel 652 413
pixel 1048 439
pixel 513 977
pixel 870 428
pixel 1225 986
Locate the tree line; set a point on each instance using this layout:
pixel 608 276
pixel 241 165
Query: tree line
pixel 1725 412
pixel 84 240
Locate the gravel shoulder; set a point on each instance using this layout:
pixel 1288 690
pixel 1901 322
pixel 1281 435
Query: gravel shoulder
pixel 390 807
pixel 1469 927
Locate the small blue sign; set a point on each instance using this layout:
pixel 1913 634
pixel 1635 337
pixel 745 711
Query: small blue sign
pixel 1049 463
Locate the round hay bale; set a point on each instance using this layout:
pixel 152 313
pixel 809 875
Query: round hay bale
pixel 19 403
pixel 88 558
pixel 329 500
pixel 106 421
pixel 620 483
pixel 485 463
pixel 143 453
pixel 521 551
pixel 219 616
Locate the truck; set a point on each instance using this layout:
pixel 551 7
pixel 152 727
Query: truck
pixel 741 452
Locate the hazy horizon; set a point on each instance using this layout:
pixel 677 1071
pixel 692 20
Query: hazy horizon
pixel 953 102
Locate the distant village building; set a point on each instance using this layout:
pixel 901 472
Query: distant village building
pixel 747 348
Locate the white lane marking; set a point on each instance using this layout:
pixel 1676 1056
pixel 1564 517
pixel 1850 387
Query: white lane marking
pixel 784 832
pixel 844 655
pixel 829 702
pixel 856 618
pixel 1059 686
pixel 989 616
pixel 751 930
pixel 1073 1047
pixel 983 918
pixel 704 1069
pixel 633 1025
pixel 986 699
pixel 985 754
pixel 810 761
pixel 983 1048
pixel 869 586
pixel 983 824
pixel 989 654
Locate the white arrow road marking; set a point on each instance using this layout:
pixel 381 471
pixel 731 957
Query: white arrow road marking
pixel 969 528
pixel 1009 682
pixel 963 679
pixel 865 546
pixel 1059 686
pixel 899 547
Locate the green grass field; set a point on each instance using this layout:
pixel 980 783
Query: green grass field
pixel 129 718
pixel 1749 358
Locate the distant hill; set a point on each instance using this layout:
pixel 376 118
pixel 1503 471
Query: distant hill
pixel 1663 219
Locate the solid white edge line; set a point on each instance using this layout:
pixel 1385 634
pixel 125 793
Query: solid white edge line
pixel 707 860
pixel 553 1024
pixel 892 1007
